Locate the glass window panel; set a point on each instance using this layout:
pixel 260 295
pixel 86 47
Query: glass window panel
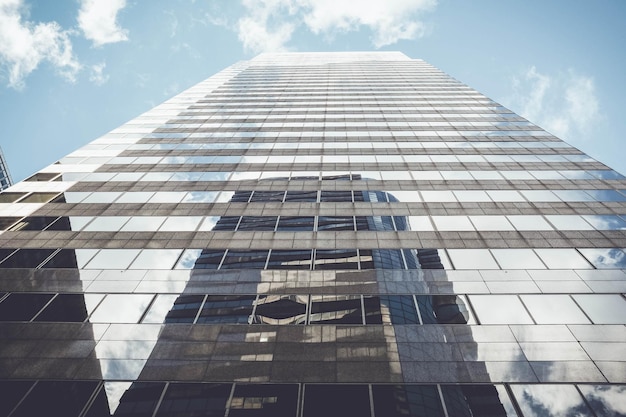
pixel 281 309
pixel 606 400
pixel 218 176
pixel 405 196
pixel 573 195
pixel 568 222
pixel 486 175
pixel 208 224
pixel 70 307
pixel 426 175
pixel 541 401
pixel 22 306
pixel 606 195
pixel 38 198
pixel 499 309
pixel 106 224
pixel 143 224
pixel 605 258
pixel 138 399
pixel 337 259
pixel 242 259
pixel 66 398
pixel 576 175
pixel 156 259
pixel 540 195
pixel 456 175
pixel 295 223
pixel 407 401
pixel 517 259
pixel 264 400
pixel 477 400
pixel 12 393
pixel 121 308
pixel 26 258
pixel 606 222
pixel 181 224
pixel 336 309
pixel 489 223
pixel 194 399
pixel 505 195
pixel 516 175
pixel 227 309
pixel 606 174
pixel 472 259
pixel 290 259
pixel 554 309
pixel 420 223
pixel 529 222
pixel 452 223
pixel 603 308
pixel 70 258
pixel 546 175
pixel 562 259
pixel 75 197
pixel 113 259
pixel 438 196
pixel 335 400
pixel 471 196
pixel 184 309
pixel 159 308
pixel 443 309
pixel 189 257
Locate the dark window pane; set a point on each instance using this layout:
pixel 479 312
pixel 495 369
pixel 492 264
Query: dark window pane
pixel 65 307
pixel 395 309
pixel 34 223
pixel 339 309
pixel 139 400
pixel 407 401
pixel 10 197
pixel 335 223
pixel 42 176
pixel 185 309
pixel 194 399
pixel 56 398
pixel 304 196
pixel 295 224
pixel 267 223
pixel 26 258
pixel 338 196
pixel 65 258
pixel 475 401
pixel 22 307
pixel 334 400
pixel 281 309
pixel 268 196
pixel 227 309
pixel 236 259
pixel 228 223
pixel 6 222
pixel 429 259
pixel 209 259
pixel 39 198
pixel 264 400
pixel 337 259
pixel 290 259
pixel 11 392
pixel 388 259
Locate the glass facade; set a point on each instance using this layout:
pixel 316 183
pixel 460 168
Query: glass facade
pixel 5 175
pixel 317 234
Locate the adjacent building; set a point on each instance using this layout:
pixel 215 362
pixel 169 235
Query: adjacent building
pixel 5 175
pixel 317 234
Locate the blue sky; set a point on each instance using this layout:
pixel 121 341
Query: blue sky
pixel 72 70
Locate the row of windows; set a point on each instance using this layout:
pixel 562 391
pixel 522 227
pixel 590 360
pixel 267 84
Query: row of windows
pixel 482 175
pixel 333 145
pixel 357 114
pixel 336 108
pixel 161 399
pixel 324 159
pixel 303 309
pixel 314 223
pixel 347 124
pixel 317 259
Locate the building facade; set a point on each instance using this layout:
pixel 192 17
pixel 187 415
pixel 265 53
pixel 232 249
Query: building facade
pixel 5 175
pixel 317 234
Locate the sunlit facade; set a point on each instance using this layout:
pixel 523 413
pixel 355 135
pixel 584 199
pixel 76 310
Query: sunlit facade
pixel 317 234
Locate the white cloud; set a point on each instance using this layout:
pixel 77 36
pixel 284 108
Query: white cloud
pixel 24 45
pixel 97 75
pixel 269 24
pixel 564 104
pixel 98 21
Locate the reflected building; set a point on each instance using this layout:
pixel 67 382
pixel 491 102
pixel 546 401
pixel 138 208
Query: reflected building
pixel 317 235
pixel 5 175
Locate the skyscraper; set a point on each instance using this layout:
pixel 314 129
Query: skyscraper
pixel 5 175
pixel 317 234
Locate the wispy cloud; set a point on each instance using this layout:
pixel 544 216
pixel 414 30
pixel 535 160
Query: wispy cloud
pixel 268 25
pixel 98 21
pixel 25 44
pixel 564 103
pixel 97 76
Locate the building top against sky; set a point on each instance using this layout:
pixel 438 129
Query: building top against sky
pixel 559 64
